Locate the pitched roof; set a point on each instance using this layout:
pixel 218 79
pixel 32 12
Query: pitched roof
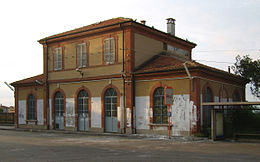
pixel 171 62
pixel 92 26
pixel 163 61
pixel 29 81
pixel 107 23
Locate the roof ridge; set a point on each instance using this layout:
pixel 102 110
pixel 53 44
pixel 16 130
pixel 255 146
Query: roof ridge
pixel 90 26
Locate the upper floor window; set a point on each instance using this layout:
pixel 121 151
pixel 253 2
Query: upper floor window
pixel 81 55
pixel 109 51
pixel 31 109
pixel 58 58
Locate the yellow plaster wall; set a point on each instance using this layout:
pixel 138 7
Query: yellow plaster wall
pixel 95 52
pixel 146 48
pixel 95 87
pixel 144 88
pixel 50 58
pixel 70 55
pixel 95 55
pixel 23 92
pixel 87 72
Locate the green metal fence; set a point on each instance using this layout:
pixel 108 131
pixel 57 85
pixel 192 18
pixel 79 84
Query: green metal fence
pixel 6 118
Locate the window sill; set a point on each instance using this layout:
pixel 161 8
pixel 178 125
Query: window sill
pixel 160 125
pixel 31 120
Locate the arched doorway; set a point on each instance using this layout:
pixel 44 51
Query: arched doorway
pixel 58 111
pixel 110 110
pixel 83 110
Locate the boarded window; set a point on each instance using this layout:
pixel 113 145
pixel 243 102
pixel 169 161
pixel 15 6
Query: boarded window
pixel 82 55
pixel 58 58
pixel 109 51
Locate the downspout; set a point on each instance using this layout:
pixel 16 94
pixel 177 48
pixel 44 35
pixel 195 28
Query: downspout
pixel 134 108
pixel 47 87
pixel 187 70
pixel 123 77
pixel 192 86
pixel 189 75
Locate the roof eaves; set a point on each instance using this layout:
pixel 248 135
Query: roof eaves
pixel 70 32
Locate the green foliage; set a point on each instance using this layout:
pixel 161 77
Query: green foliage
pixel 250 69
pixel 246 120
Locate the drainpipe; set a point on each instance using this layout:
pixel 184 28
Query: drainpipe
pixel 47 87
pixel 123 77
pixel 189 75
pixel 187 70
pixel 134 108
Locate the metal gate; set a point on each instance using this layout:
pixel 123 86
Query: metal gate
pixel 111 122
pixel 83 113
pixel 58 111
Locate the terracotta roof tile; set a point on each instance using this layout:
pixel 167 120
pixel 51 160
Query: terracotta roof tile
pixel 170 62
pixel 30 80
pixel 92 26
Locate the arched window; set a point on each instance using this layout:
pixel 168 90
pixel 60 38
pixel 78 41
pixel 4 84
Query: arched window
pixel 207 97
pixel 82 102
pixel 58 104
pixel 31 107
pixel 109 51
pixel 159 108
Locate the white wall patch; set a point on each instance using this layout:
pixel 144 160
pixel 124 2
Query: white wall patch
pixel 40 112
pixel 70 112
pixel 22 111
pixel 96 112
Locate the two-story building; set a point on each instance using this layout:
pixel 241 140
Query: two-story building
pixel 110 77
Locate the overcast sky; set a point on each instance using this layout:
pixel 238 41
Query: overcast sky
pixel 221 29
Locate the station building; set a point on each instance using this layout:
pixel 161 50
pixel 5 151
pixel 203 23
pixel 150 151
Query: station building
pixel 110 77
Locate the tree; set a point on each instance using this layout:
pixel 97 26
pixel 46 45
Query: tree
pixel 248 68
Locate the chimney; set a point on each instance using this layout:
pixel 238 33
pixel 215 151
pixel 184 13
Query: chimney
pixel 171 26
pixel 143 22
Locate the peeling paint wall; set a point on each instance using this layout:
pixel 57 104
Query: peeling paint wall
pixel 142 112
pixel 40 112
pixel 128 118
pixel 184 114
pixel 22 111
pixel 96 112
pixel 120 111
pixel 70 112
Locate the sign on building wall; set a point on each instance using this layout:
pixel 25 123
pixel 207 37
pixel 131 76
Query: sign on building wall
pixel 168 95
